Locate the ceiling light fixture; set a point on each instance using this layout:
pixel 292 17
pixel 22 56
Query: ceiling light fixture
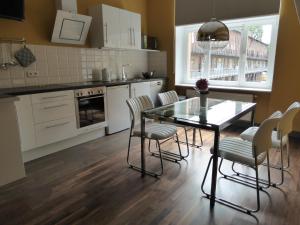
pixel 213 35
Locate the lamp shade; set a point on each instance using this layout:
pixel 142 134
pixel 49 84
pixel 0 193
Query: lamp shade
pixel 213 35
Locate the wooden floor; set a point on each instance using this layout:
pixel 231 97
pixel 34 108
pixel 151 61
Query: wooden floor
pixel 91 184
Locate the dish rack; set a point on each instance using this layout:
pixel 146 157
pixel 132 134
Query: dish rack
pixel 6 52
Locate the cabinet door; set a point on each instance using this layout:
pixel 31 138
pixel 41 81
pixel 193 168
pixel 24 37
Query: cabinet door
pixel 117 109
pixel 111 26
pixel 136 30
pixel 26 122
pixel 140 89
pixel 126 29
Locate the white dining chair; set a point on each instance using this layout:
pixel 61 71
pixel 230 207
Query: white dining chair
pixel 280 137
pixel 153 131
pixel 249 153
pixel 171 97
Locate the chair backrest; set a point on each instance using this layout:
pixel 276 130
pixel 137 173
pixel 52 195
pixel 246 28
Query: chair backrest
pixel 262 140
pixel 167 98
pixel 137 105
pixel 285 124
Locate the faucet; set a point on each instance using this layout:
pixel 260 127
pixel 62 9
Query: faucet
pixel 124 75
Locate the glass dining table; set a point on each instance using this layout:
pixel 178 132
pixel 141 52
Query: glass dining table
pixel 215 115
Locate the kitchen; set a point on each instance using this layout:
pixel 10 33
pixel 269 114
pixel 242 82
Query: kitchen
pixel 70 95
pixel 68 70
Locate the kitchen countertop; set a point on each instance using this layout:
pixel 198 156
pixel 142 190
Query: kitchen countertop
pixel 8 92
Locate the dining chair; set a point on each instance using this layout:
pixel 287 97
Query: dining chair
pixel 280 137
pixel 251 154
pixel 153 131
pixel 171 97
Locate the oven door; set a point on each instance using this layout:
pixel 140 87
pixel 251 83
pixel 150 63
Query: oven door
pixel 90 110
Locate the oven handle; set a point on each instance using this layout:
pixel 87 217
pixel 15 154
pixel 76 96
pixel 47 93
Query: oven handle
pixel 88 98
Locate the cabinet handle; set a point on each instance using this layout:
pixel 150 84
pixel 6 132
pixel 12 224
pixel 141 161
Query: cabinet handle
pixel 57 96
pixel 54 106
pixel 57 125
pixel 106 37
pixel 133 36
pixel 130 37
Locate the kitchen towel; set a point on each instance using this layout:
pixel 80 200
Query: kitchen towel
pixel 25 57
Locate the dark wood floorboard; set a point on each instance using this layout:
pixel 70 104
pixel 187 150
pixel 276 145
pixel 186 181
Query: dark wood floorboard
pixel 90 184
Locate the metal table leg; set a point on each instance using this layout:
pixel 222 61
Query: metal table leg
pixel 143 161
pixel 252 117
pixel 214 168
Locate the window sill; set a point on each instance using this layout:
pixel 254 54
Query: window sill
pixel 230 89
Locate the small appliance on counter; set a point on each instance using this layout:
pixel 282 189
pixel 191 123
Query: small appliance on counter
pixel 149 42
pixel 148 75
pixel 106 77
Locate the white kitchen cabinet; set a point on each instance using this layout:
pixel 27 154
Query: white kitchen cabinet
pixel 26 122
pixel 117 109
pixel 115 28
pixel 130 29
pixel 136 25
pixel 140 89
pixel 105 28
pixel 126 30
pixel 156 87
pixel 54 131
pixel 48 111
pixel 46 118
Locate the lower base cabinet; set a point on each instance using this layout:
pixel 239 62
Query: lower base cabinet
pixel 54 131
pixel 46 118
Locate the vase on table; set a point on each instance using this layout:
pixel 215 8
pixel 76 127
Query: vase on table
pixel 203 108
pixel 202 89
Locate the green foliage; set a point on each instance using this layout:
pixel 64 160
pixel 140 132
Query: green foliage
pixel 256 32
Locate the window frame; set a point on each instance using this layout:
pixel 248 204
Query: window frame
pixel 182 54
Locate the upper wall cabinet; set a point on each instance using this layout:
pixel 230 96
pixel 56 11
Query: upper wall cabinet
pixel 115 28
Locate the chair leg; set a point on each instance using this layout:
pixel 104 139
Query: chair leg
pixel 161 159
pixel 128 151
pixel 265 184
pixel 257 190
pixel 231 204
pixel 200 133
pixel 240 181
pixel 137 168
pixel 187 143
pixel 268 165
pixel 179 149
pixel 288 153
pixel 204 179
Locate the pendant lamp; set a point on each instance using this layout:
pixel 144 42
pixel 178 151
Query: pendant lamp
pixel 213 35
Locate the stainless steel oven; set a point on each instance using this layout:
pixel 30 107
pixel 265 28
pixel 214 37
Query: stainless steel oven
pixel 90 107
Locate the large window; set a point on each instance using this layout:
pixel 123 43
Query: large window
pixel 246 62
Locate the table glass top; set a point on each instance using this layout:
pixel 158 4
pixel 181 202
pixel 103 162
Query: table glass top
pixel 217 111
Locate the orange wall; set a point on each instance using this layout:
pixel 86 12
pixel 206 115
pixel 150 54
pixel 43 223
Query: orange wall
pixel 40 17
pixel 161 20
pixel 286 86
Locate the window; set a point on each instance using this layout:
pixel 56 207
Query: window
pixel 246 62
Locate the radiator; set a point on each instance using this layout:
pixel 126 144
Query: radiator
pixel 227 96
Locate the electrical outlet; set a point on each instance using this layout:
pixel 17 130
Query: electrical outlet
pixel 32 74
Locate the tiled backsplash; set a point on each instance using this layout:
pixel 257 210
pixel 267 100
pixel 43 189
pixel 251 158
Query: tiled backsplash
pixel 57 65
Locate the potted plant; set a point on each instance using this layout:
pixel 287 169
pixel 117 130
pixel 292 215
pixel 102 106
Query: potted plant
pixel 202 89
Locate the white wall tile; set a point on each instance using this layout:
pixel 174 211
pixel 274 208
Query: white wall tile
pixel 71 64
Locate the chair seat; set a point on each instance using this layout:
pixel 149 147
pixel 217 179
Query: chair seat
pixel 238 150
pixel 248 135
pixel 157 131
